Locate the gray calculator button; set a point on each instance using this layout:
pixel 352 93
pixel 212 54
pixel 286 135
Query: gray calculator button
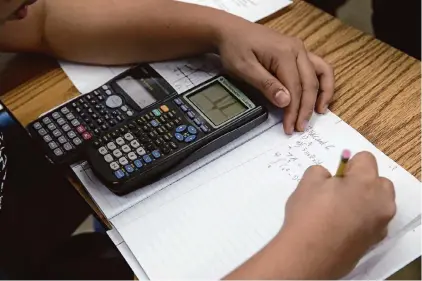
pixel 141 151
pixel 51 127
pixel 75 123
pixel 114 101
pixel 132 156
pixel 71 134
pixel 114 166
pixel 129 113
pixel 105 87
pixel 67 146
pixel 111 146
pixel 62 140
pixel 70 116
pixel 46 120
pixel 65 110
pixel 42 132
pixel 102 150
pixel 129 136
pixel 53 145
pixel 117 153
pixel 108 158
pixel 77 141
pixel 124 108
pixel 126 148
pixel 61 121
pixel 58 152
pixel 47 138
pixel 123 161
pixel 134 144
pixel 108 92
pixel 66 128
pixel 37 126
pixel 57 133
pixel 56 115
pixel 120 141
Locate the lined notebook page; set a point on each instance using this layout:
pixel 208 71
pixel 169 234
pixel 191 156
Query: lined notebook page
pixel 205 230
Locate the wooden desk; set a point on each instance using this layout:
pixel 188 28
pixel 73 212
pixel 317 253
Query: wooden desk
pixel 377 87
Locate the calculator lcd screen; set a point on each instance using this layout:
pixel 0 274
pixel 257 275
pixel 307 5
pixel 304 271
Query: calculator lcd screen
pixel 136 91
pixel 217 104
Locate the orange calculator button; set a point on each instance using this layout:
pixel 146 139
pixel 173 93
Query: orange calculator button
pixel 164 108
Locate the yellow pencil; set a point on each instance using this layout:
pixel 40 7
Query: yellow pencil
pixel 345 156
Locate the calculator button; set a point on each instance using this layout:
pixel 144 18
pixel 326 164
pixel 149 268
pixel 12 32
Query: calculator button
pixel 166 150
pixel 184 108
pixel 70 116
pixel 58 152
pixel 94 116
pixel 114 166
pixel 66 128
pixel 191 115
pixel 192 130
pixel 141 151
pixel 119 118
pixel 104 127
pixel 86 105
pixel 181 128
pixel 156 154
pixel 154 123
pixel 78 110
pixel 111 146
pixel 126 148
pixel 147 159
pixel 105 87
pixel 56 115
pixel 86 136
pixel 100 121
pixel 103 112
pixel 167 137
pixel 134 144
pixel 190 138
pixel 173 145
pixel 75 122
pixel 71 134
pixel 61 121
pixel 37 126
pixel 119 174
pixel 120 141
pixel 108 158
pixel 129 136
pixel 124 108
pixel 156 112
pixel 129 113
pixel 132 156
pixel 178 101
pixel 152 134
pixel 80 129
pixel 47 138
pixel 117 153
pixel 161 131
pixel 169 126
pixel 57 133
pixel 171 115
pixel 164 108
pixel 138 163
pixel 53 145
pixel 150 146
pixel 88 97
pixel 197 121
pixel 205 129
pixel 108 92
pixel 65 110
pixel 62 140
pixel 100 98
pixel 46 120
pixel 106 117
pixel 179 137
pixel 159 141
pixel 51 127
pixel 97 131
pixel 123 161
pixel 77 141
pixel 102 150
pixel 67 146
pixel 129 168
pixel 114 101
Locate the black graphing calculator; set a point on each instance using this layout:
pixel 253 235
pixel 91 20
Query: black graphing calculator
pixel 64 132
pixel 172 134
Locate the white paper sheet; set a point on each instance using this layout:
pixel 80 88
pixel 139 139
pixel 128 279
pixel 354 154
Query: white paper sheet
pixel 204 230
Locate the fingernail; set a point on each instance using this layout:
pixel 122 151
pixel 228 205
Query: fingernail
pixel 305 125
pixel 282 98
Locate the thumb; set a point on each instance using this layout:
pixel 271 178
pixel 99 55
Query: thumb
pixel 266 83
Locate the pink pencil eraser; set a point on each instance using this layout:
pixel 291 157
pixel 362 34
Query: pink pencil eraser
pixel 346 154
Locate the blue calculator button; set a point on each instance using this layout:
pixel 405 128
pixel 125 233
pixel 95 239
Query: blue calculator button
pixel 184 108
pixel 205 129
pixel 181 129
pixel 119 174
pixel 156 154
pixel 178 101
pixel 190 138
pixel 191 115
pixel 179 136
pixel 192 130
pixel 138 163
pixel 197 121
pixel 147 159
pixel 156 112
pixel 129 168
pixel 154 123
